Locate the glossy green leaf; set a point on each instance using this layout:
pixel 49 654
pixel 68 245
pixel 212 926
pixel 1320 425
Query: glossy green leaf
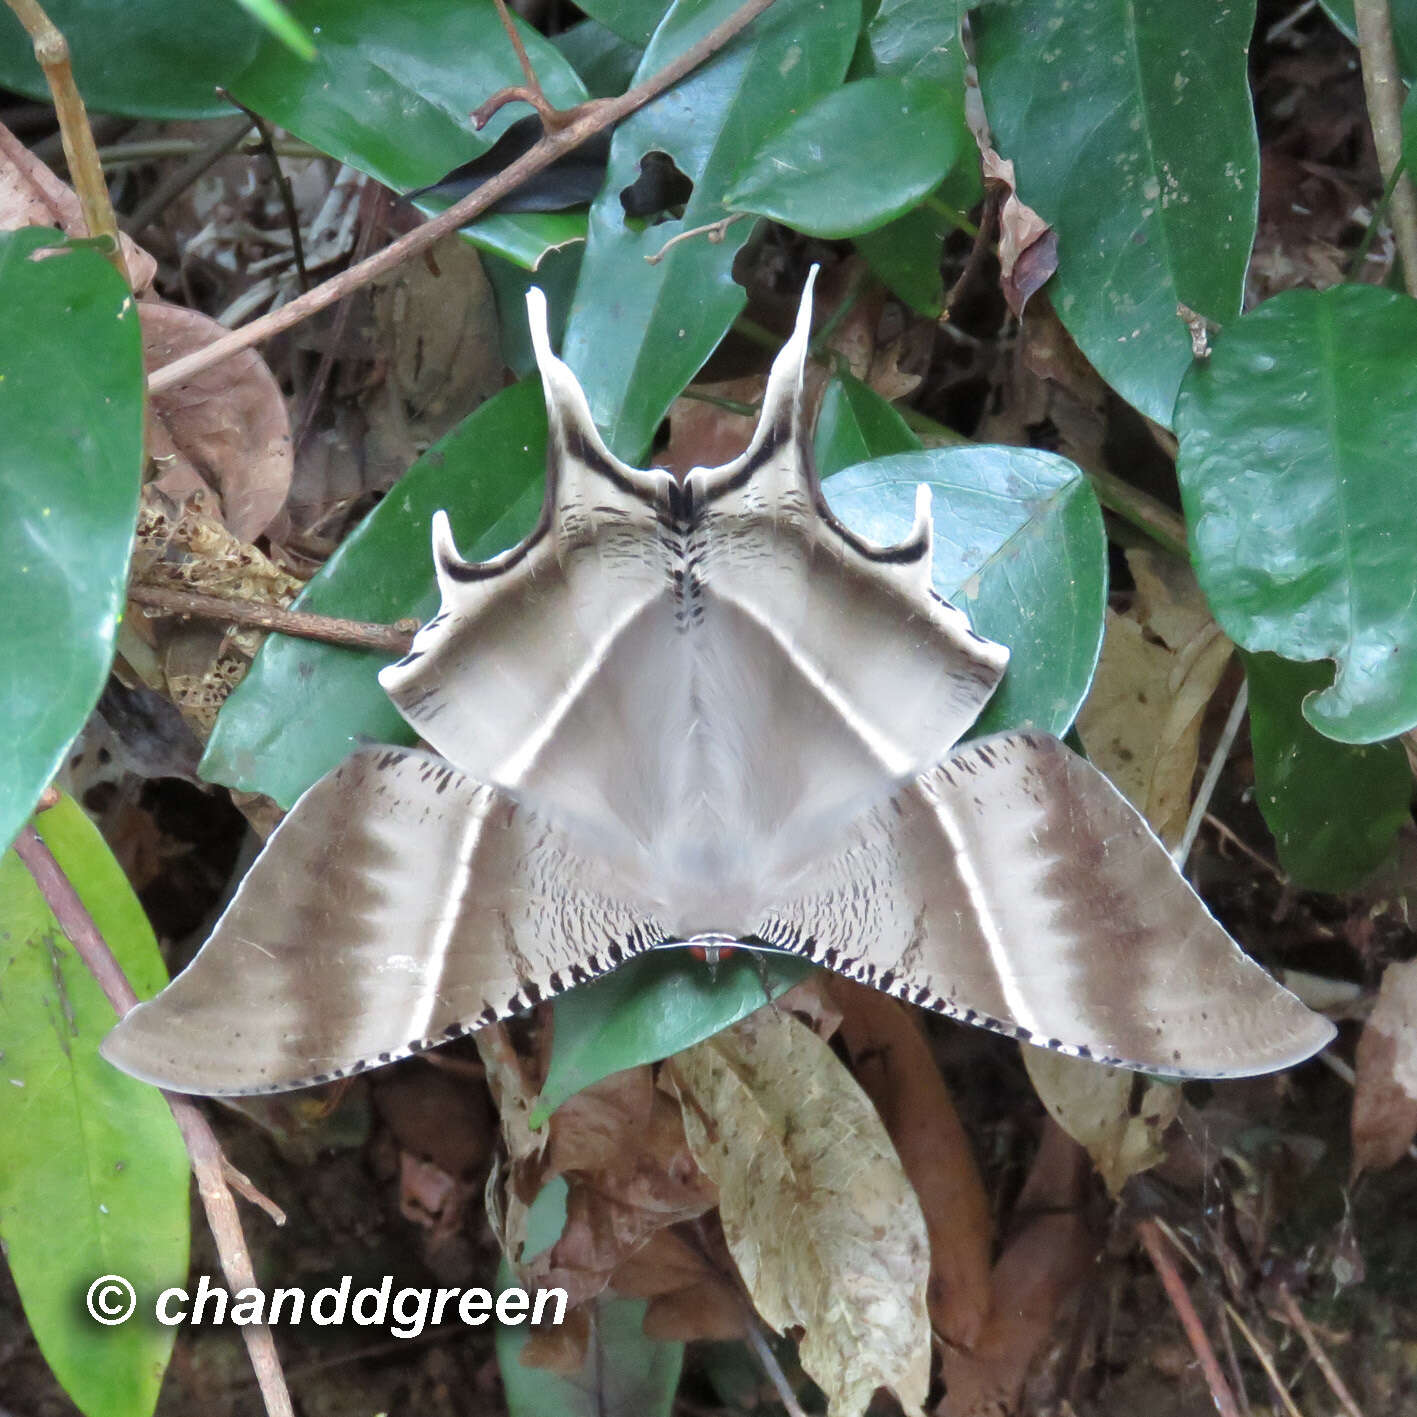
pixel 1334 809
pixel 855 159
pixel 633 20
pixel 905 254
pixel 918 39
pixel 304 706
pixel 144 58
pixel 392 89
pixel 625 1373
pixel 1404 28
pixel 282 24
pixel 1132 131
pixel 855 425
pixel 652 1008
pixel 71 407
pixel 636 351
pixel 605 62
pixel 93 1174
pixel 1297 440
pixel 1019 546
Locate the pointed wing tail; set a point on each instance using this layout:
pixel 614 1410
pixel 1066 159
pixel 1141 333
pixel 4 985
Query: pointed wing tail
pixel 1013 887
pixel 398 905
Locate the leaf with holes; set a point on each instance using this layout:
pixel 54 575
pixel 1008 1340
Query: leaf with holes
pixel 1132 132
pixel 636 353
pixel 1295 466
pixel 71 406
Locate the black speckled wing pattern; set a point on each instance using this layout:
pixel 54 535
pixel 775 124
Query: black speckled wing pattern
pixel 702 708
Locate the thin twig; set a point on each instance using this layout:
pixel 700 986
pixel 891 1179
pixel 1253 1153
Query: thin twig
pixel 714 231
pixel 287 197
pixel 1383 88
pixel 768 1359
pixel 51 49
pixel 1146 513
pixel 1180 1298
pixel 1336 1385
pixel 1201 805
pixel 1266 1361
pixel 203 1149
pixel 329 629
pixel 1226 834
pixel 246 1188
pixel 584 122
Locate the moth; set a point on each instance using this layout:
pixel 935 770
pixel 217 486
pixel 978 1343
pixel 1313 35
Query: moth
pixel 703 711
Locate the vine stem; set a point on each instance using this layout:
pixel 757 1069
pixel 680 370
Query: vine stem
pixel 51 49
pixel 579 124
pixel 1383 88
pixel 203 1149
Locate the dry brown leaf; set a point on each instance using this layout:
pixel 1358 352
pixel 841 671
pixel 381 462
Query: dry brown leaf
pixel 1161 664
pixel 226 428
pixel 1119 1116
pixel 620 1144
pixel 690 1297
pixel 897 1071
pixel 31 195
pixel 1385 1097
pixel 704 433
pixel 1028 246
pixel 1048 1253
pixel 514 1091
pixel 817 1212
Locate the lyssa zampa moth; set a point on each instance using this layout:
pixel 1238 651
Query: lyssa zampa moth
pixel 703 709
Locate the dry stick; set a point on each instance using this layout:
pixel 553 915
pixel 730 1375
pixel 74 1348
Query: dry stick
pixel 1176 1291
pixel 85 169
pixel 583 122
pixel 357 634
pixel 225 136
pixel 202 1146
pixel 1266 1361
pixel 1212 776
pixel 1382 85
pixel 1336 1385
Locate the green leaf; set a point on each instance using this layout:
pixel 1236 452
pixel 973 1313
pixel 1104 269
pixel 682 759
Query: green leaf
pixel 93 1174
pixel 1297 438
pixel 652 1008
pixel 143 58
pixel 636 352
pixel 394 82
pixel 605 62
pixel 633 20
pixel 624 1373
pixel 1132 132
pixel 304 706
pixel 71 459
pixel 905 253
pixel 282 24
pixel 1334 809
pixel 855 425
pixel 1019 545
pixel 855 159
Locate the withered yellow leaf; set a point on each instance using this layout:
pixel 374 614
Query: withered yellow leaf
pixel 817 1211
pixel 1119 1116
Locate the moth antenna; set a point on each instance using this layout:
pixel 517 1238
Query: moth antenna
pixel 446 560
